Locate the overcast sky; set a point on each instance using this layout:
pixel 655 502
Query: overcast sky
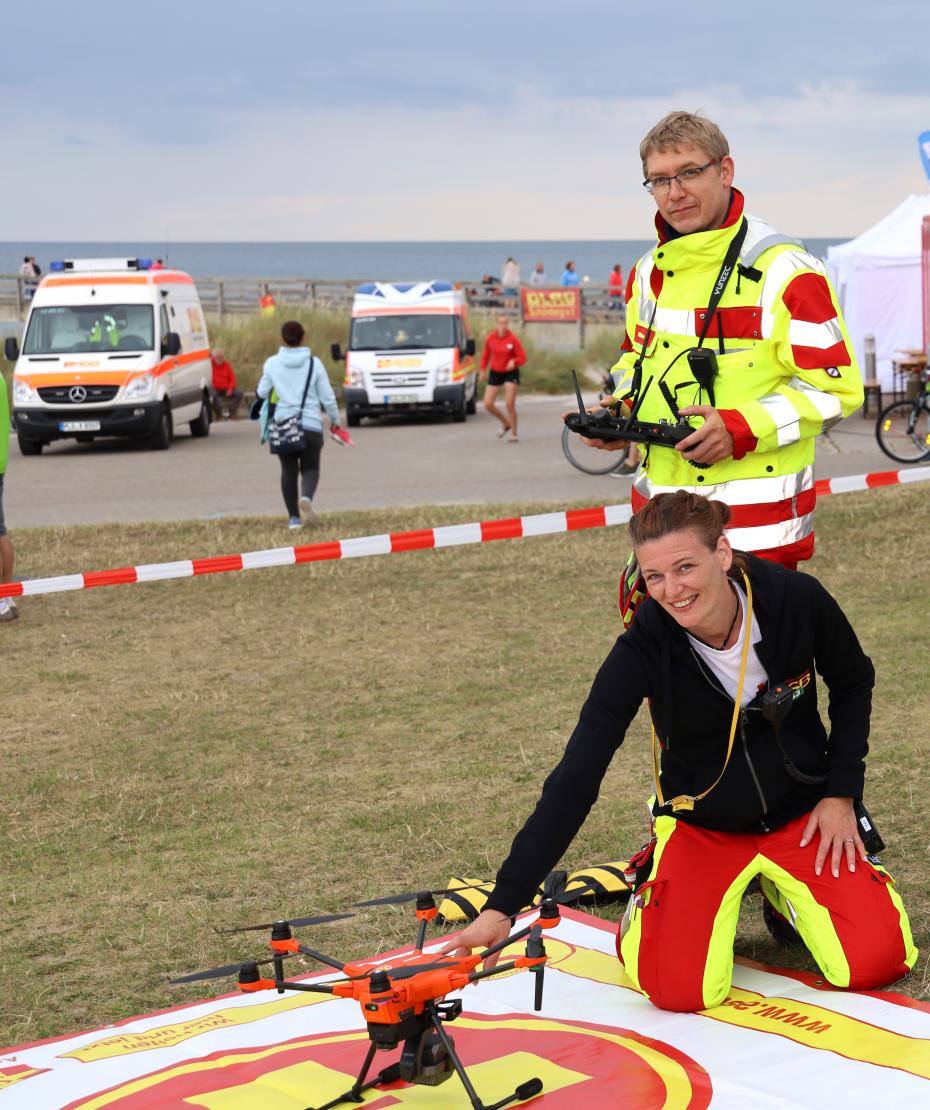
pixel 208 120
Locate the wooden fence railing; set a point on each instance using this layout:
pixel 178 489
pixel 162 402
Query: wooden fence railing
pixel 236 296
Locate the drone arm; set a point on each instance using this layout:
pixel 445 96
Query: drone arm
pixel 501 945
pixel 314 955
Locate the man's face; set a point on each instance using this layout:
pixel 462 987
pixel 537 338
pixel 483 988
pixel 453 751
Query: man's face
pixel 702 204
pixel 502 325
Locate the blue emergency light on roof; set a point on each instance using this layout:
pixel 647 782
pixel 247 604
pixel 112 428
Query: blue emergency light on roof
pixel 143 263
pixel 403 286
pixel 368 287
pixel 56 267
pixel 438 287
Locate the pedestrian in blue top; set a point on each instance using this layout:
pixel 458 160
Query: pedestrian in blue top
pixel 569 275
pixel 284 383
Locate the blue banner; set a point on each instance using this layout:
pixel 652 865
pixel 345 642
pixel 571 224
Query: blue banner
pixel 923 141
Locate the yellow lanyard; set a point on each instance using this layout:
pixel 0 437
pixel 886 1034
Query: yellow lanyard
pixel 686 801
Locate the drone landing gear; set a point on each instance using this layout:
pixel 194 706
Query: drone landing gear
pixel 429 1057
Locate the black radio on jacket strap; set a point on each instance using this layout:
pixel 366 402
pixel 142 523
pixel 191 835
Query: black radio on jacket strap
pixel 702 360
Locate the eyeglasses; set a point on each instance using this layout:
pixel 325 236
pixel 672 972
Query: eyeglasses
pixel 663 184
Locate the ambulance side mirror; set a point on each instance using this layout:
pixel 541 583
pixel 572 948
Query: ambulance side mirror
pixel 171 345
pixel 469 347
pixel 11 348
pixel 336 351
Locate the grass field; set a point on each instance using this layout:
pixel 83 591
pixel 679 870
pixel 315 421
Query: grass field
pixel 219 751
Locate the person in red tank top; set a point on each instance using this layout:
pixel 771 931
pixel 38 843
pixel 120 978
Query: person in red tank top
pixel 503 353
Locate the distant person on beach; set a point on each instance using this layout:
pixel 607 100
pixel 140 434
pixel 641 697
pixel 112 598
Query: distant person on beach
pixel 30 273
pixel 301 388
pixel 504 354
pixel 569 274
pixel 615 281
pixel 778 365
pixel 158 264
pixel 510 276
pixel 8 610
pixel 538 276
pixel 227 397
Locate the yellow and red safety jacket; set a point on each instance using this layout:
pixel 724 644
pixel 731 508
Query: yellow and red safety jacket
pixel 786 372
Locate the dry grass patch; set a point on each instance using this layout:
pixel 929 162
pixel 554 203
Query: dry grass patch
pixel 288 741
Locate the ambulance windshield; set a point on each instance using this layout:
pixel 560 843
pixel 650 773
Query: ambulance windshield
pixel 76 329
pixel 401 333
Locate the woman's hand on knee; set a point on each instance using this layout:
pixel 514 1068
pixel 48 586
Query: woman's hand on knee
pixel 839 834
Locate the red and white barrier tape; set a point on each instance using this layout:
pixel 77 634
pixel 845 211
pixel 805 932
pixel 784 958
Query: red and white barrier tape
pixel 540 524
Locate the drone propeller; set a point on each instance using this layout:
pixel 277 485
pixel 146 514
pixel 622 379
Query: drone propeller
pixel 296 922
pixel 412 896
pixel 225 970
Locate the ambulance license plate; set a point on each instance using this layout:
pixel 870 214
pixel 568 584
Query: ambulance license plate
pixel 79 426
pixel 401 398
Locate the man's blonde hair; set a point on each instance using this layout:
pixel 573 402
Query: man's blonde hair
pixel 685 129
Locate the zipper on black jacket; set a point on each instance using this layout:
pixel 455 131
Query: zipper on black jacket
pixel 743 719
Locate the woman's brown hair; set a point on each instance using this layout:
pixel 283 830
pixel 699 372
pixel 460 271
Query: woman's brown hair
pixel 679 511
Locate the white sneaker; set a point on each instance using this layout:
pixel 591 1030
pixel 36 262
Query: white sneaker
pixel 8 611
pixel 307 512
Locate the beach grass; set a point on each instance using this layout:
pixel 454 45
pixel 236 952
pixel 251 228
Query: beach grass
pixel 229 749
pixel 248 340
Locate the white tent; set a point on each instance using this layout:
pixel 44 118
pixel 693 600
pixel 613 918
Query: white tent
pixel 878 281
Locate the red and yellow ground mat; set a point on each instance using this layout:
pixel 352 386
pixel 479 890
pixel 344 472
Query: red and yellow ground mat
pixel 780 1040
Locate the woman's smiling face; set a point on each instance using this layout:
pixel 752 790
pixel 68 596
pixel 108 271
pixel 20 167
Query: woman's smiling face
pixel 689 580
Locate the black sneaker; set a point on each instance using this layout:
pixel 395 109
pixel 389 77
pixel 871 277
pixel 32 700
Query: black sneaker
pixel 783 932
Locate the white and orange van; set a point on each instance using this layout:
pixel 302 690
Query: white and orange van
pixel 410 350
pixel 111 347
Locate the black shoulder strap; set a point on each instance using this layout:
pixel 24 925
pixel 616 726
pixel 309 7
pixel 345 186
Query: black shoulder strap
pixel 303 399
pixel 729 264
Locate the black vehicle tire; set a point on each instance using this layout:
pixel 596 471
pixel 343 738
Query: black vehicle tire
pixel 590 460
pixel 29 446
pixel 160 440
pixel 460 414
pixel 903 431
pixel 201 426
pixel 353 419
pixel 471 406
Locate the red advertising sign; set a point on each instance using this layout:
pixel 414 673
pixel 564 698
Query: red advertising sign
pixel 546 306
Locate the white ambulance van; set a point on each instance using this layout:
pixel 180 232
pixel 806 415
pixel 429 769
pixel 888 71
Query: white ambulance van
pixel 111 347
pixel 410 350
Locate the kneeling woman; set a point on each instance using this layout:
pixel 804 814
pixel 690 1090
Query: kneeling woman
pixel 736 796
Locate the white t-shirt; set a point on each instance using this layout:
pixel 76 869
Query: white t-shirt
pixel 725 664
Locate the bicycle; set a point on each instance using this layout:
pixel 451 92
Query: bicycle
pixel 903 427
pixel 588 459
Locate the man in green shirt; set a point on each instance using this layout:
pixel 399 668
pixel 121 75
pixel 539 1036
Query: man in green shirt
pixel 8 610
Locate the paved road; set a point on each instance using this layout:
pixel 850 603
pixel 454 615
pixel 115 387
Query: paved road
pixel 398 462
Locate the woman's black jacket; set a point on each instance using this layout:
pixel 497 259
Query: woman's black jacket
pixel 803 630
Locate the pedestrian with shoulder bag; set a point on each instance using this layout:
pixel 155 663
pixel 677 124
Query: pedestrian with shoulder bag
pixel 299 386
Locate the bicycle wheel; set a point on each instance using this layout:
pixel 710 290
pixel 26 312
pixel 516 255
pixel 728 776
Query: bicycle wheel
pixel 589 459
pixel 903 431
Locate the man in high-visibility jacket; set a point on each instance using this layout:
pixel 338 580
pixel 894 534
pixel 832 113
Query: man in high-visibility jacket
pixel 785 370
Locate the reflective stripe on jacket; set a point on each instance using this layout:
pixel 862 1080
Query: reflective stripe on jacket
pixel 785 372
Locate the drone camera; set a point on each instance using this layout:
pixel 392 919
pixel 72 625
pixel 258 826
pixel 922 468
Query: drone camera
pixel 426 1060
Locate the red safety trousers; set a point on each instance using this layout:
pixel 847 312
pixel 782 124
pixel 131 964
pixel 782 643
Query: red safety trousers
pixel 678 946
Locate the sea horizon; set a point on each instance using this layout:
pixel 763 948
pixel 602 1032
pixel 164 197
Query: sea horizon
pixel 386 260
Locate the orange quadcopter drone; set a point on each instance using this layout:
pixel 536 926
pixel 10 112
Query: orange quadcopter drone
pixel 402 1000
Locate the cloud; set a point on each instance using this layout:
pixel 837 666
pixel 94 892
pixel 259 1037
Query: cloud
pixel 369 121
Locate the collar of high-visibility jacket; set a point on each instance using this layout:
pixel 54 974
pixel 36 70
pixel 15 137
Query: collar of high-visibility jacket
pixel 667 234
pixel 701 250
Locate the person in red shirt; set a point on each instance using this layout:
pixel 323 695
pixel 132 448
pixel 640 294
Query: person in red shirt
pixel 615 281
pixel 224 387
pixel 504 353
